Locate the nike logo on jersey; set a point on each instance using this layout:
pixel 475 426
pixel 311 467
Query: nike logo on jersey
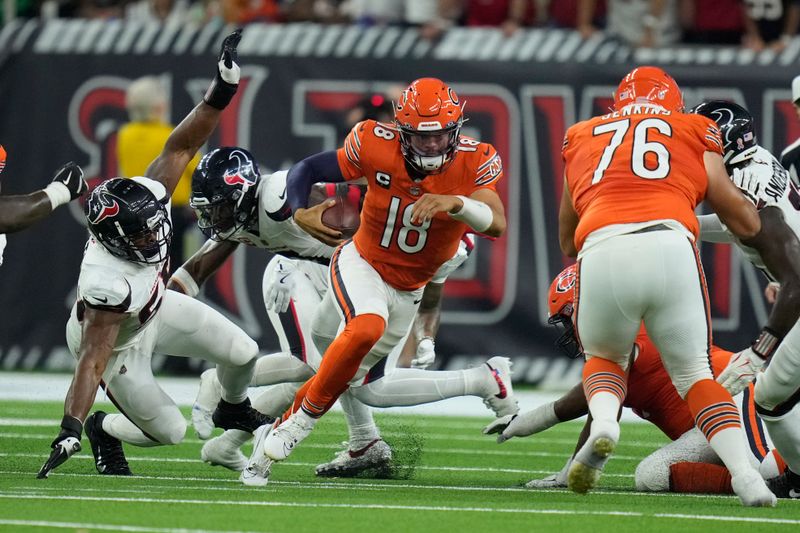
pixel 284 278
pixel 282 195
pixel 487 151
pixel 417 301
pixel 103 300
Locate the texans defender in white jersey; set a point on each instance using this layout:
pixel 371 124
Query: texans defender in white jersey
pixel 777 197
pixel 236 204
pixel 123 313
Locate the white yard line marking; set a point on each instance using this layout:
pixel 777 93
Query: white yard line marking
pixel 444 451
pixel 358 484
pixel 292 463
pixel 172 501
pixel 389 431
pixel 109 527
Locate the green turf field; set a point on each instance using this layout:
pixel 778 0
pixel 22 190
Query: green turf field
pixel 463 482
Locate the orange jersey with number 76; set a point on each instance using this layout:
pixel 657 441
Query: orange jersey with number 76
pixel 407 255
pixel 635 165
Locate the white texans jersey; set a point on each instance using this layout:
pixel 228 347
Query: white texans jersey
pixel 274 227
pixel 110 283
pixel 777 189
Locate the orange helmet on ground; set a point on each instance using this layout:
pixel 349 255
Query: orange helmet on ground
pixel 560 303
pixel 649 85
pixel 428 117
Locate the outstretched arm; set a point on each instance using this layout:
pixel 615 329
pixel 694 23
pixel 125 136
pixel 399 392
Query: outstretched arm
pixel 194 130
pixel 569 407
pixel 780 251
pixel 19 212
pixel 100 330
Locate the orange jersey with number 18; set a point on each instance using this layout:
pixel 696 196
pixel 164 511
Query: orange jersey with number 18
pixel 639 164
pixel 407 255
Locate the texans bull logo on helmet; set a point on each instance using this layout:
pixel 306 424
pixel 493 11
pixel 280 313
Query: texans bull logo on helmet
pixel 243 170
pixel 102 206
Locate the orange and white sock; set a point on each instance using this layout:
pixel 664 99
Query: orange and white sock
pixel 605 386
pixel 717 417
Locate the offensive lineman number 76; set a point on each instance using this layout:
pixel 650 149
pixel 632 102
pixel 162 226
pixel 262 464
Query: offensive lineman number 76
pixel 640 147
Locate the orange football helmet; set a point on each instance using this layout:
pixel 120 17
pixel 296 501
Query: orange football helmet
pixel 429 117
pixel 649 85
pixel 560 301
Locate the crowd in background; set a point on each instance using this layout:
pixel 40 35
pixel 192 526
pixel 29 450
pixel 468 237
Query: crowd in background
pixel 756 24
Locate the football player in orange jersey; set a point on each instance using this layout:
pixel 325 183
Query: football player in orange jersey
pixel 632 179
pixel 688 463
pixel 426 184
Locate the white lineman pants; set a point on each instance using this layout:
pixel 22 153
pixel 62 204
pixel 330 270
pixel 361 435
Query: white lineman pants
pixel 655 277
pixel 183 327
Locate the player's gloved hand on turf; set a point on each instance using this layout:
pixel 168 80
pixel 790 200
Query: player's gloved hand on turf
pixel 523 424
pixel 747 182
pixel 741 370
pixel 67 185
pixel 226 80
pixel 64 446
pixel 279 291
pixel 553 481
pixel 426 354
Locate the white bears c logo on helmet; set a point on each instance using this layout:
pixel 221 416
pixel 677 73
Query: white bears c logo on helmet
pixel 566 281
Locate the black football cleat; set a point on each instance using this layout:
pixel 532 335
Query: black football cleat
pixel 240 416
pixel 109 458
pixel 787 485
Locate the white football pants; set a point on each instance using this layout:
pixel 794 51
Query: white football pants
pixel 655 277
pixel 183 327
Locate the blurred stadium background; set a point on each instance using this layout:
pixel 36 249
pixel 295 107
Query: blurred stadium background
pixel 311 69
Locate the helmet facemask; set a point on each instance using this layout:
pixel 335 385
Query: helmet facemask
pixel 221 219
pixel 430 151
pixel 149 246
pixel 567 341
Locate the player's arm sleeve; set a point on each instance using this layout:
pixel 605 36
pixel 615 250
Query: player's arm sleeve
pixel 713 230
pixel 107 292
pixel 319 167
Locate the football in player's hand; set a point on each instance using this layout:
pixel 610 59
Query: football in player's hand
pixel 345 214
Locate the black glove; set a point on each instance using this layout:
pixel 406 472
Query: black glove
pixel 226 81
pixel 64 446
pixel 71 175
